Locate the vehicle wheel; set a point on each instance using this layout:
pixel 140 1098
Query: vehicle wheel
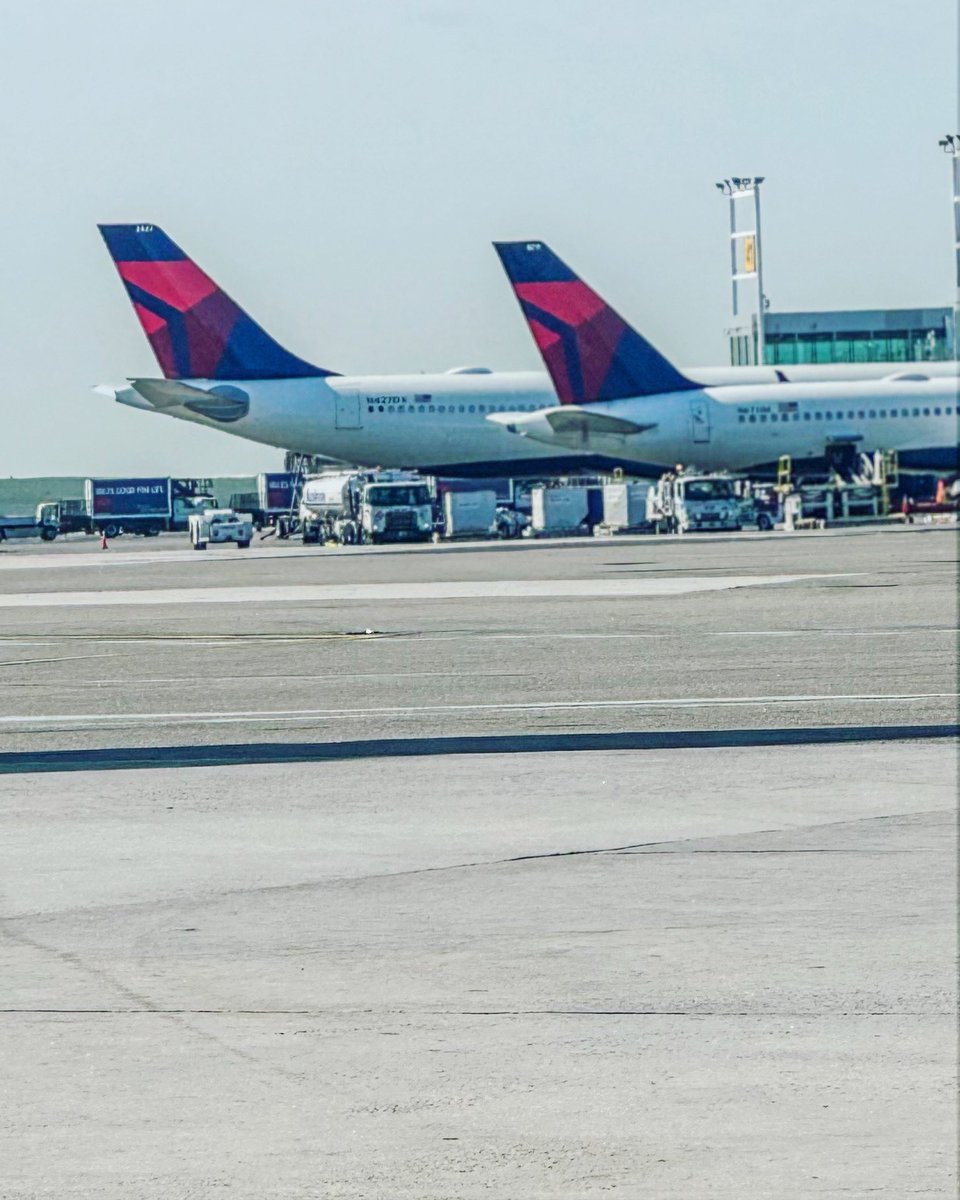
pixel 110 529
pixel 243 545
pixel 48 534
pixel 764 523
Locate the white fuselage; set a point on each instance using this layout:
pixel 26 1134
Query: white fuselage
pixel 440 423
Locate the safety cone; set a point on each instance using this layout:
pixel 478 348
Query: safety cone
pixel 103 541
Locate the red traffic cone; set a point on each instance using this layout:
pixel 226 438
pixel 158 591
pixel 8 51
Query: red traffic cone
pixel 103 541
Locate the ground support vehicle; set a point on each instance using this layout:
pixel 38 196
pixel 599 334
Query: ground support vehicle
pixel 324 513
pixel 44 523
pixel 367 507
pixel 144 506
pixel 690 502
pixel 249 502
pixel 511 522
pixel 761 504
pixel 219 525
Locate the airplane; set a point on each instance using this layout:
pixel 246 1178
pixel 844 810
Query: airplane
pixel 618 395
pixel 223 370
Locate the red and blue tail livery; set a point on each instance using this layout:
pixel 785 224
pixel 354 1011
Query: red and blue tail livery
pixel 591 353
pixel 195 329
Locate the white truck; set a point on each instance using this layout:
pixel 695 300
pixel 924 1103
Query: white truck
pixel 43 523
pixel 367 507
pixel 218 525
pixel 690 502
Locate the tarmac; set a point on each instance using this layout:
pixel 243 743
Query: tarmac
pixel 540 869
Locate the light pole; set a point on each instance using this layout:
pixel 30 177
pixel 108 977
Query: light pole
pixel 746 256
pixel 951 145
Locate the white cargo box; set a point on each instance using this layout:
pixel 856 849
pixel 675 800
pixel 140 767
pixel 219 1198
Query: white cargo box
pixel 469 513
pixel 558 510
pixel 624 505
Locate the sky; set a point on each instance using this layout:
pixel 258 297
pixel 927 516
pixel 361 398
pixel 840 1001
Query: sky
pixel 341 167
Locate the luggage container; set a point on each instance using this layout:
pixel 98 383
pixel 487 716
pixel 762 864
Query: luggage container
pixel 469 514
pixel 559 510
pixel 625 505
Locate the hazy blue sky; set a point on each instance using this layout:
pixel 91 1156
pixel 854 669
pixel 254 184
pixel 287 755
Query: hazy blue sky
pixel 341 166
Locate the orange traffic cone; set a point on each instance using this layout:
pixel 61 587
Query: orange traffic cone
pixel 103 541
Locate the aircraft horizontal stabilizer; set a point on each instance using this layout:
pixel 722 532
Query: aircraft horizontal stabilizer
pixel 569 425
pixel 163 393
pixel 223 403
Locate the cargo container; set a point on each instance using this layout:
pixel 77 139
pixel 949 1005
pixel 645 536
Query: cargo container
pixel 625 505
pixel 503 487
pixel 470 514
pixel 278 493
pixel 559 510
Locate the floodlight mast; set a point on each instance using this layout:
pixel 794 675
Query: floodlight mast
pixel 747 188
pixel 950 144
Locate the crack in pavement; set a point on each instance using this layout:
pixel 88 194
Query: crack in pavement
pixel 146 1004
pixel 652 847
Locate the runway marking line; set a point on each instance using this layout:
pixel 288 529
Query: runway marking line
pixel 213 718
pixel 414 590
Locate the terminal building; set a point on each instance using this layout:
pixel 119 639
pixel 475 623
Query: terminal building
pixel 762 337
pixel 864 336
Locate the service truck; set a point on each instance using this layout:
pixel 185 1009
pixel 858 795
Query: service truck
pixel 43 523
pixel 687 502
pixel 144 506
pixel 325 514
pixel 367 507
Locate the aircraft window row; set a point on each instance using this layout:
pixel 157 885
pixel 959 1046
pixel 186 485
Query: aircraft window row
pixel 452 408
pixel 859 415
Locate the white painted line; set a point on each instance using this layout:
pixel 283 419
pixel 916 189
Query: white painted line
pixel 507 589
pixel 215 718
pixel 686 635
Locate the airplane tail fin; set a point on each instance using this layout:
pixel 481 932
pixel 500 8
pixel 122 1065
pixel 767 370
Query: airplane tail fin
pixel 591 353
pixel 195 329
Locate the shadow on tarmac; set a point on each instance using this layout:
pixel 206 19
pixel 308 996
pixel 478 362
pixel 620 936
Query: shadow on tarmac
pixel 243 753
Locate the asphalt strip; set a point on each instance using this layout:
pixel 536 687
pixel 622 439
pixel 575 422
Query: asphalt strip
pixel 507 589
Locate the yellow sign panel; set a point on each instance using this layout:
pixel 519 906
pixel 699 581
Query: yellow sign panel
pixel 750 255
